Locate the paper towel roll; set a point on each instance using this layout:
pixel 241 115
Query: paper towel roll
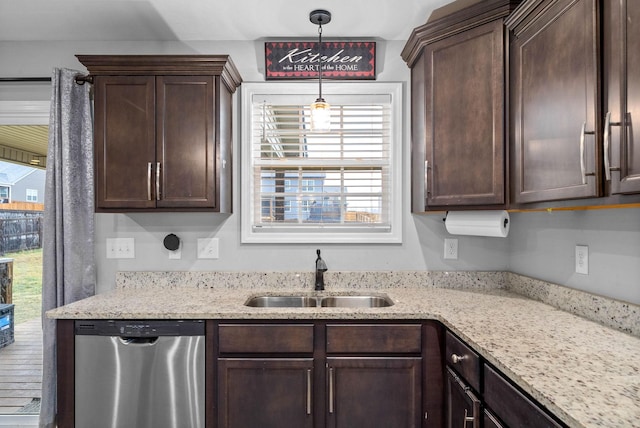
pixel 478 223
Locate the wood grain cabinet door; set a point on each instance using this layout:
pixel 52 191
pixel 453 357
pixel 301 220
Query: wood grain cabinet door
pixel 464 110
pixel 555 101
pixel 374 392
pixel 186 150
pixel 265 392
pixel 621 81
pixel 124 141
pixel 462 404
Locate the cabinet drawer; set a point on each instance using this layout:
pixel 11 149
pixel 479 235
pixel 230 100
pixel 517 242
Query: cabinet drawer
pixel 463 360
pixel 265 338
pixel 374 338
pixel 511 405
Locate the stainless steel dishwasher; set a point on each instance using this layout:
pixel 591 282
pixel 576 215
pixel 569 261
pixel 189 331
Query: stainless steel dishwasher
pixel 139 374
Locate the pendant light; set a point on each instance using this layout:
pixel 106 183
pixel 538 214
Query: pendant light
pixel 320 109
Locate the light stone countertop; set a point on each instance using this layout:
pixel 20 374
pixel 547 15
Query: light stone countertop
pixel 587 374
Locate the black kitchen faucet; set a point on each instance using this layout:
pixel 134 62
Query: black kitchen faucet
pixel 321 268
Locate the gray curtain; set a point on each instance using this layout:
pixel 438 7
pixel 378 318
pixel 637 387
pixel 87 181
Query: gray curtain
pixel 68 272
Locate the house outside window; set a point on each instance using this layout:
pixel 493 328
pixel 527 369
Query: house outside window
pixel 340 186
pixel 32 195
pixel 5 194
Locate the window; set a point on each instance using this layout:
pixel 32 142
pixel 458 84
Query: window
pixel 5 194
pixel 340 186
pixel 32 195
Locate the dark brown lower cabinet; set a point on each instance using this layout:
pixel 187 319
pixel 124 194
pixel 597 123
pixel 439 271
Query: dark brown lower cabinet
pixel 265 392
pixel 477 395
pixel 463 405
pixel 513 407
pixel 325 374
pixel 374 392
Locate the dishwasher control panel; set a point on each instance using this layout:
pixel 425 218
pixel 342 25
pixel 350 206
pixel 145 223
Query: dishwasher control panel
pixel 140 328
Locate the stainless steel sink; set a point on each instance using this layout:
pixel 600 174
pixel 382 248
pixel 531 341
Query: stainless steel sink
pixel 356 302
pixel 324 301
pixel 282 301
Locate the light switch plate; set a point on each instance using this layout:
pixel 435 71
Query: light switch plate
pixel 121 248
pixel 208 248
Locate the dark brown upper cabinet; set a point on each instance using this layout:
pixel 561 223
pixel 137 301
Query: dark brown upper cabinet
pixel 458 74
pixel 163 131
pixel 621 92
pixel 554 101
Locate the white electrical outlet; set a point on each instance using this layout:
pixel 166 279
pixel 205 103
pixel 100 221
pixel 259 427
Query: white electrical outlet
pixel 208 248
pixel 121 248
pixel 451 249
pixel 582 259
pixel 176 254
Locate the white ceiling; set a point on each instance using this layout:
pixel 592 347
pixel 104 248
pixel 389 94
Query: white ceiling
pixel 191 20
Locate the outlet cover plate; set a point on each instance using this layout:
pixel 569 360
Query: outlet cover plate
pixel 582 259
pixel 451 249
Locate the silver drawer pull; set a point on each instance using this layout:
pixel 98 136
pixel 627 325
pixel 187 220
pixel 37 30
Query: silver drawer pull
pixel 308 391
pixel 458 358
pixel 331 389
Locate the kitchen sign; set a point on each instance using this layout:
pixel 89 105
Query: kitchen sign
pixel 353 60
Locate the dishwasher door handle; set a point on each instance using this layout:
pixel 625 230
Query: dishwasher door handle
pixel 138 341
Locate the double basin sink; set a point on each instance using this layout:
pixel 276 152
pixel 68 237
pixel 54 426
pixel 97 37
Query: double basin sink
pixel 323 301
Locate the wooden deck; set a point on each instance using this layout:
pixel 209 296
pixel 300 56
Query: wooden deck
pixel 21 369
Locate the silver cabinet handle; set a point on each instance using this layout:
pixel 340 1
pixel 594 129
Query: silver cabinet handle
pixel 331 389
pixel 582 161
pixel 426 178
pixel 458 358
pixel 308 391
pixel 475 416
pixel 149 168
pixel 607 146
pixel 157 181
pixel 583 166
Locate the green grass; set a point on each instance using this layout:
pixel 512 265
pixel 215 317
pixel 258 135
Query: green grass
pixel 27 284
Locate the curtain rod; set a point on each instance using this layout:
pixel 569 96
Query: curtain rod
pixel 80 79
pixel 25 79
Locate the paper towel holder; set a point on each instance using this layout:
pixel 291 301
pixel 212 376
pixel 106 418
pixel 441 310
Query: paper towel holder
pixel 506 220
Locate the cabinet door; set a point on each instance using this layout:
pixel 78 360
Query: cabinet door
pixel 511 405
pixel 265 393
pixel 186 149
pixel 462 404
pixel 621 52
pixel 464 118
pixel 373 392
pixel 555 103
pixel 124 141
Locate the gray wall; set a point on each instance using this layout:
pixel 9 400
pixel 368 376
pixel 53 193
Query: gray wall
pixel 542 245
pixel 538 246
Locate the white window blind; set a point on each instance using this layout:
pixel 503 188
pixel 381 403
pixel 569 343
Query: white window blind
pixel 334 186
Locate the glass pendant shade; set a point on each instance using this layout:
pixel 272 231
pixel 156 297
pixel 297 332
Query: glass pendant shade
pixel 320 116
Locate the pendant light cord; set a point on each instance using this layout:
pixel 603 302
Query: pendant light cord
pixel 320 59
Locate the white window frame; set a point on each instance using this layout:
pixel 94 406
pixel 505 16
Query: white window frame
pixel 32 195
pixel 323 233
